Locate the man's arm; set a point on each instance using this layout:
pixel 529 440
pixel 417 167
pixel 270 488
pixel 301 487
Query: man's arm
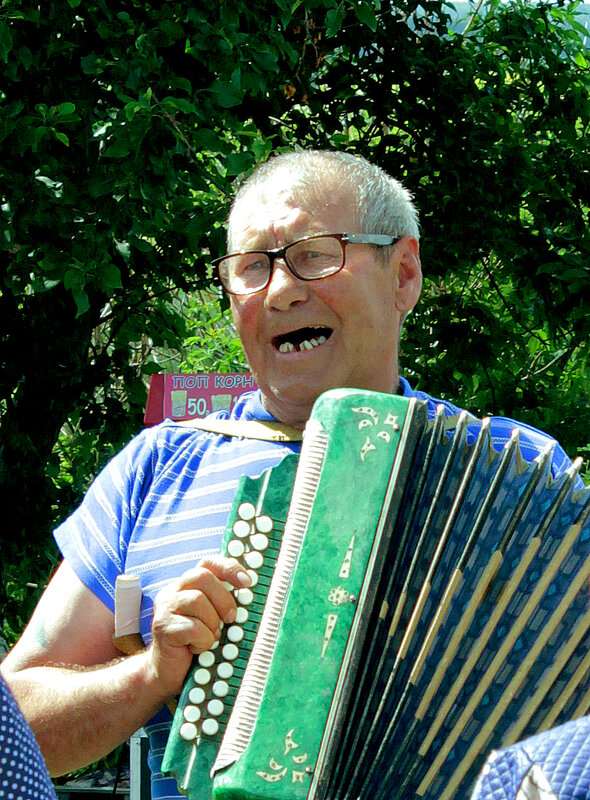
pixel 79 696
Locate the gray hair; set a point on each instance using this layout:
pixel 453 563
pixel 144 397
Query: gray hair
pixel 383 204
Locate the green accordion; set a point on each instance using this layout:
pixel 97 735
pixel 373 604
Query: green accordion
pixel 423 600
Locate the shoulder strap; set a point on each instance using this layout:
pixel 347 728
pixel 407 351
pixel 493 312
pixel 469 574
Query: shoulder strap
pixel 246 429
pixel 274 431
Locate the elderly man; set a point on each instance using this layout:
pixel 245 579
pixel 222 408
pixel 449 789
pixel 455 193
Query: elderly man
pixel 323 265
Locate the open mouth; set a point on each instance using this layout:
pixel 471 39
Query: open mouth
pixel 303 339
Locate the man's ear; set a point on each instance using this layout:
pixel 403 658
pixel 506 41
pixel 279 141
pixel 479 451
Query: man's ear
pixel 409 274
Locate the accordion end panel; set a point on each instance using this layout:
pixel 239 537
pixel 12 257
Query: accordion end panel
pixel 325 597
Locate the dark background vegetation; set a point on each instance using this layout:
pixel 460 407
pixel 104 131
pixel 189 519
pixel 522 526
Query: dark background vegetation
pixel 123 128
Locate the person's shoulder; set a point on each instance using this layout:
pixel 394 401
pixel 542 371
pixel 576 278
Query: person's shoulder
pixel 533 442
pixel 432 403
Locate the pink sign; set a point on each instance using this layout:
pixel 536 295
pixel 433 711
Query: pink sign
pixel 198 394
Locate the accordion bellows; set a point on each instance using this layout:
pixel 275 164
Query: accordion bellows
pixel 423 601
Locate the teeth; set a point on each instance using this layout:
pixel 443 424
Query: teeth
pixel 307 344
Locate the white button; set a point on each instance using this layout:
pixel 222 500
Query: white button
pixel 230 651
pixel 202 676
pixel 188 731
pixel 241 528
pixel 253 577
pixel 241 615
pixel 254 559
pixel 225 670
pixel 210 727
pixel 220 689
pixel 236 548
pixel 244 596
pixel 259 541
pixel 215 707
pixel 196 695
pixel 191 714
pixel 206 659
pixel 264 524
pixel 246 511
pixel 235 634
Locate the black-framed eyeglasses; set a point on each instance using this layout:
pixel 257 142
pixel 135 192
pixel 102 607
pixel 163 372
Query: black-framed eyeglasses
pixel 309 259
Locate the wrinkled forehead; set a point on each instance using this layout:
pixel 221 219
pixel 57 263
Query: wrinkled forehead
pixel 285 201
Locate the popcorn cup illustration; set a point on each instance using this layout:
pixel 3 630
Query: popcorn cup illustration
pixel 221 402
pixel 178 398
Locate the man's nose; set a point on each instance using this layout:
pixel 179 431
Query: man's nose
pixel 285 288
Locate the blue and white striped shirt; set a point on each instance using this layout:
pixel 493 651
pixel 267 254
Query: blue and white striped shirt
pixel 163 502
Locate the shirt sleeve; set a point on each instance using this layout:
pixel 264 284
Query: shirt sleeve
pixel 94 539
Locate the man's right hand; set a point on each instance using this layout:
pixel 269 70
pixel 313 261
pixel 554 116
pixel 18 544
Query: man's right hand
pixel 79 696
pixel 188 615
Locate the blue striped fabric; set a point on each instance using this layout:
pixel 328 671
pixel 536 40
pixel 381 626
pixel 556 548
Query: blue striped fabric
pixel 162 504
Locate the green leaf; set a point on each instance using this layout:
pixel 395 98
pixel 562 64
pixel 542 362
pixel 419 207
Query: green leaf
pixel 5 42
pixel 236 163
pixel 82 302
pixel 91 64
pixel 334 19
pixel 61 137
pixel 109 276
pixel 366 14
pixel 229 94
pixel 141 244
pixel 151 368
pixel 73 279
pixel 65 109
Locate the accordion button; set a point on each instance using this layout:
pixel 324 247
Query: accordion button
pixel 188 731
pixel 259 541
pixel 210 727
pixel 254 559
pixel 254 578
pixel 230 652
pixel 246 511
pixel 196 695
pixel 215 708
pixel 236 548
pixel 191 714
pixel 241 612
pixel 241 528
pixel 206 659
pixel 202 676
pixel 225 670
pixel 244 596
pixel 220 689
pixel 264 524
pixel 235 634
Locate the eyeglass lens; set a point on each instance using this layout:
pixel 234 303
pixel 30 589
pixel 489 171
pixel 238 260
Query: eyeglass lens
pixel 311 259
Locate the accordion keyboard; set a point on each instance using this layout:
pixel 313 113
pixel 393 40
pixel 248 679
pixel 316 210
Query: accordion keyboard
pixel 215 678
pixel 253 537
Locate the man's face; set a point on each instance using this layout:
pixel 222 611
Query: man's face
pixel 302 338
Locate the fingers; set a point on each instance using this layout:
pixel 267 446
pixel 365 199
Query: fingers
pixel 189 613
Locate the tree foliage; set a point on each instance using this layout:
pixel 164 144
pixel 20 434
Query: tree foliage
pixel 124 128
